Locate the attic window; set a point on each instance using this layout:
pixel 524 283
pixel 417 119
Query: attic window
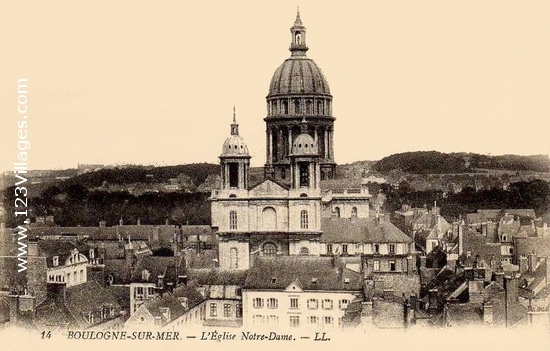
pixel 313 280
pixel 346 281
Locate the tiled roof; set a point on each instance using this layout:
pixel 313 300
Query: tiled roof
pixel 314 273
pixel 136 232
pixel 168 266
pixel 216 277
pixel 61 248
pixel 90 296
pixel 167 300
pixel 119 269
pixel 361 230
pixel 190 292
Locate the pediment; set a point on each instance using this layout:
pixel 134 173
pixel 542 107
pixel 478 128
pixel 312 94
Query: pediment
pixel 268 188
pixel 295 286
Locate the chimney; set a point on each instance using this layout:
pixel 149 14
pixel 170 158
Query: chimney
pixel 138 221
pixel 487 313
pixel 367 312
pixel 511 295
pixel 410 265
pixel 13 303
pixel 432 299
pixel 32 246
pixel 523 264
pixel 531 262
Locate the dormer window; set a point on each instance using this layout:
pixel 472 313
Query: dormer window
pixel 92 253
pixel 56 261
pixel 145 275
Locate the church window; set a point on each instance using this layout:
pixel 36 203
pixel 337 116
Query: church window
pixel 269 219
pixel 304 174
pixel 354 212
pixel 337 212
pixel 304 251
pixel 285 107
pixel 308 107
pixel 304 219
pixel 233 220
pixel 297 107
pixel 269 249
pixel 298 38
pixel 320 107
pixel 274 108
pixel 233 258
pixel 234 175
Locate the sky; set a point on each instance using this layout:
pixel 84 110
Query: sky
pixel 137 82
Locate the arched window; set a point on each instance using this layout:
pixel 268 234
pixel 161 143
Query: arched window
pixel 269 249
pixel 297 107
pixel 285 107
pixel 304 251
pixel 304 219
pixel 298 38
pixel 304 174
pixel 308 107
pixel 233 220
pixel 320 107
pixel 269 219
pixel 337 212
pixel 233 258
pixel 274 108
pixel 354 212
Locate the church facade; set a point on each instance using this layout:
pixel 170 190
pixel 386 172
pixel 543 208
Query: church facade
pixel 282 215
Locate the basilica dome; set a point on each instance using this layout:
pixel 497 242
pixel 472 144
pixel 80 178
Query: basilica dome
pixel 304 145
pixel 298 75
pixel 234 146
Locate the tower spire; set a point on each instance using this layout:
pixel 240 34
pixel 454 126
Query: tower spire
pixel 234 125
pixel 298 21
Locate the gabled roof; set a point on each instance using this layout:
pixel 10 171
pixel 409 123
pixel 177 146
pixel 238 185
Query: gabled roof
pixel 268 185
pixel 155 305
pixel 167 266
pixel 361 230
pixel 314 273
pixel 61 248
pixel 189 292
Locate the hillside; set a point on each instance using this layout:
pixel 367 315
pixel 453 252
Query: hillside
pixel 433 162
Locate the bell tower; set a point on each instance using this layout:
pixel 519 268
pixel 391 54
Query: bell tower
pixel 234 160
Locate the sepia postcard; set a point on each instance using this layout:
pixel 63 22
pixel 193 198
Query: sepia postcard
pixel 301 175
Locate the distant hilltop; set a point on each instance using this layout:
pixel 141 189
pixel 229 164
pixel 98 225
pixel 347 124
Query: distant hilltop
pixel 434 162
